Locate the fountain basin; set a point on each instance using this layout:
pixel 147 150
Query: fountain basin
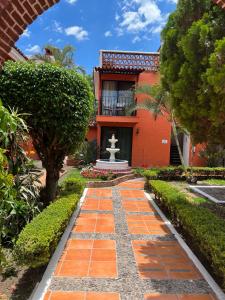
pixel 117 166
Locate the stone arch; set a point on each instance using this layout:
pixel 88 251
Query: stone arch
pixel 220 2
pixel 15 16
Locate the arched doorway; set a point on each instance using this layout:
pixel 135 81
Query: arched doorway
pixel 15 16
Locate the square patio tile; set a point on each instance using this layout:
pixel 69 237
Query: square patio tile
pixel 132 194
pixel 139 224
pixel 95 223
pixel 104 193
pixel 148 256
pixel 88 258
pixel 97 204
pixel 59 295
pixel 137 206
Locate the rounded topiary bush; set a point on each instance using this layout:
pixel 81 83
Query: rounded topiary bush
pixel 57 103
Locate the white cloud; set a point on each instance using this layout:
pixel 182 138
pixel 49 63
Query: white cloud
pixel 140 16
pixel 173 1
pixel 136 39
pixel 117 17
pixel 57 27
pixel 108 33
pixel 33 49
pixel 78 32
pixel 71 1
pixel 26 33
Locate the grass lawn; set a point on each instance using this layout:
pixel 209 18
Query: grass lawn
pixel 213 182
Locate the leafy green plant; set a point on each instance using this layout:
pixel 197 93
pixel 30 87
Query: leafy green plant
pixel 19 191
pixel 192 68
pixel 204 228
pixel 58 104
pixel 38 240
pixel 72 185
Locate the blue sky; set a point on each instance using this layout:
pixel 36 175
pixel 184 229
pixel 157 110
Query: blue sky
pixel 91 25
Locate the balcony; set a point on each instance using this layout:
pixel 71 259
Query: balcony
pixel 142 61
pixel 114 106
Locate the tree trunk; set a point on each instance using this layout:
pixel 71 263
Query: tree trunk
pixel 177 142
pixel 52 177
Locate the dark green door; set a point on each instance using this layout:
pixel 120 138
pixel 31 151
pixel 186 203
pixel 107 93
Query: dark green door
pixel 124 137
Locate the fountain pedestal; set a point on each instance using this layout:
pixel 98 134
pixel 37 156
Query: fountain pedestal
pixel 112 164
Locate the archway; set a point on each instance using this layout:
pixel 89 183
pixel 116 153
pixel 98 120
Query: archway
pixel 15 16
pixel 220 2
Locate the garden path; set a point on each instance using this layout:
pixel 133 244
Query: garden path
pixel 120 248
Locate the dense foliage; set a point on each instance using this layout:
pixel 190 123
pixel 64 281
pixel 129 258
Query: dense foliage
pixel 192 66
pixel 205 230
pixel 38 240
pixel 58 104
pixel 180 173
pixel 19 191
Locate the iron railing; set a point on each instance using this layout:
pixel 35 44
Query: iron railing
pixel 117 106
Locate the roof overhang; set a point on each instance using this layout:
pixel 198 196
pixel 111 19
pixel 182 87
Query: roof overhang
pixel 112 70
pixel 16 55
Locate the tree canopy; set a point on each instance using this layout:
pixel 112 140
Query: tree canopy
pixel 191 41
pixel 58 103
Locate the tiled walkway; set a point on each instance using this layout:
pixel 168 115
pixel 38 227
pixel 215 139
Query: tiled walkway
pixel 120 248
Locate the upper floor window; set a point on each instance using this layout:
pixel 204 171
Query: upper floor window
pixel 117 96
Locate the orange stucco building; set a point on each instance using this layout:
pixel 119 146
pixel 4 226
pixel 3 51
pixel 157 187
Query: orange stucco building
pixel 144 141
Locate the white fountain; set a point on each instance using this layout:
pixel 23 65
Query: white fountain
pixel 113 164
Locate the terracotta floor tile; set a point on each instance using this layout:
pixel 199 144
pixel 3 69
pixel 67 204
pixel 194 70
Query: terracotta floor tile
pixel 96 222
pixel 137 206
pixel 196 297
pixel 68 296
pixel 104 244
pixel 103 255
pixel 104 229
pixel 46 297
pixel 148 256
pixel 96 204
pixel 74 268
pixel 80 244
pixel 78 254
pixel 160 297
pixel 132 194
pixel 84 228
pixel 103 269
pixel 157 275
pixel 100 192
pixel 133 185
pixel 103 296
pixel 146 225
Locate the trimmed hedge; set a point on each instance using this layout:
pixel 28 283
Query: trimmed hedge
pixel 38 240
pixel 178 173
pixel 206 230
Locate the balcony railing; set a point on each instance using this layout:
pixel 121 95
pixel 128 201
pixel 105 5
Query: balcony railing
pixel 114 106
pixel 129 60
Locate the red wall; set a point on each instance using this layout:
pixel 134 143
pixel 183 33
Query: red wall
pixel 92 134
pixel 147 149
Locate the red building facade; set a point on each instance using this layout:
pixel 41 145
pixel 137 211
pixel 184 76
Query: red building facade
pixel 144 141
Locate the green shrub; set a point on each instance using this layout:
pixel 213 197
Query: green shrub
pixel 206 230
pixel 38 240
pixel 72 185
pixel 179 173
pixel 151 174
